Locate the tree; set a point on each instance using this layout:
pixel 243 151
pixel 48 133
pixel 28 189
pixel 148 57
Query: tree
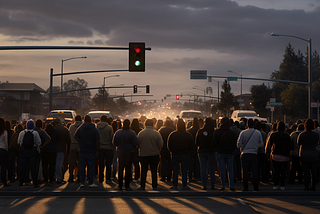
pixel 75 85
pixel 260 95
pixel 227 100
pixel 295 99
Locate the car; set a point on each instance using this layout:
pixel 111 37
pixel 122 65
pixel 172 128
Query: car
pixel 238 114
pixel 65 115
pixel 95 115
pixel 188 115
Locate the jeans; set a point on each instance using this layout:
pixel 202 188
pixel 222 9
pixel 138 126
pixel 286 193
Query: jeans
pixel 296 167
pixel 59 163
pixel 237 165
pixel 207 158
pixel 223 161
pixel 250 161
pixel 73 163
pixel 307 166
pixel 279 169
pixel 194 167
pixel 166 165
pixel 105 160
pixel 3 165
pixel 125 162
pixel 48 165
pixel 153 162
pixel 87 160
pixel 28 157
pixel 262 166
pixel 176 160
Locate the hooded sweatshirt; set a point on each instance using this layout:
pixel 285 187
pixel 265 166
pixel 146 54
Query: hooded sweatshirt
pixel 224 139
pixel 88 135
pixel 106 135
pixel 204 137
pixel 74 146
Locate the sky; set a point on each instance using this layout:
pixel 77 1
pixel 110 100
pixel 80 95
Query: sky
pixel 212 35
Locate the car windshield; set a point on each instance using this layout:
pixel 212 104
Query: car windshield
pixel 247 114
pixel 191 114
pixel 60 115
pixel 97 115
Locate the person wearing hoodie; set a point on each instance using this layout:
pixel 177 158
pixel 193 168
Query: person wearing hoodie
pixel 309 141
pixel 180 143
pixel 296 165
pixel 89 141
pixel 74 150
pixel 249 141
pixel 206 152
pixel 234 126
pixel 225 142
pixel 194 166
pixel 125 140
pixel 105 155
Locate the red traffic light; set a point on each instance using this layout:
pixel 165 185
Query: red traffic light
pixel 177 97
pixel 137 49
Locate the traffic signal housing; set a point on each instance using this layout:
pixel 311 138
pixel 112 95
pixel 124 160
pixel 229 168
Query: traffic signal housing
pixel 177 97
pixel 135 89
pixel 147 89
pixel 136 56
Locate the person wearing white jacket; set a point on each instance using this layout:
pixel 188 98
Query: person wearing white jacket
pixel 249 141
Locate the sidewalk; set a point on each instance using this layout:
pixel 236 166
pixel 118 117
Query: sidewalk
pixel 72 189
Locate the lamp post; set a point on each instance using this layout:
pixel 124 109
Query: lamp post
pixel 79 57
pixel 204 94
pixel 241 84
pixel 104 85
pixel 309 69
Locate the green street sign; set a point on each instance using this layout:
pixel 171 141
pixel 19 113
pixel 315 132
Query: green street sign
pixel 232 78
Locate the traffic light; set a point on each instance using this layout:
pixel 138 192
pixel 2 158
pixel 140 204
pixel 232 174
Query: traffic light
pixel 147 89
pixel 136 56
pixel 135 89
pixel 177 97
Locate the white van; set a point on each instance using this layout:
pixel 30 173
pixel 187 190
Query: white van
pixel 238 114
pixel 187 115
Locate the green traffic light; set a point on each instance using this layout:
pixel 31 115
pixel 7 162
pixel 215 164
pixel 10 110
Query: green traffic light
pixel 137 63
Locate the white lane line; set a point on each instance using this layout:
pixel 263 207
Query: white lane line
pixel 13 202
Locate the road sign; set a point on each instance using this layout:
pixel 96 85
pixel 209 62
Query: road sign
pixel 268 107
pixel 314 104
pixel 198 74
pixel 275 104
pixel 232 78
pixel 272 108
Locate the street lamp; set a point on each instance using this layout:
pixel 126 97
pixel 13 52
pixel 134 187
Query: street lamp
pixel 204 94
pixel 79 57
pixel 309 69
pixel 241 84
pixel 104 85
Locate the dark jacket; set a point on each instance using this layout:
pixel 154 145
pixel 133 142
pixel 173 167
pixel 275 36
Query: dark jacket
pixel 279 143
pixel 224 140
pixel 204 137
pixel 165 131
pixel 52 146
pixel 63 137
pixel 88 136
pixel 180 142
pixel 308 141
pixel 193 131
pixel 125 140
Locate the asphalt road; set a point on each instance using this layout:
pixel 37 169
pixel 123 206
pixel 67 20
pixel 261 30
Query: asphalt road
pixel 128 205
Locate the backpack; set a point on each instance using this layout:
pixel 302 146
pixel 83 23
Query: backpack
pixel 28 140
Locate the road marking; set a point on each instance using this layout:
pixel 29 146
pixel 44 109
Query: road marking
pixel 13 202
pixel 247 204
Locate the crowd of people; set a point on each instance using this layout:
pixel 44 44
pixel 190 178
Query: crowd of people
pixel 197 149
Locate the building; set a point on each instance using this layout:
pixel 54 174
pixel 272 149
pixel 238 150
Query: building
pixel 18 98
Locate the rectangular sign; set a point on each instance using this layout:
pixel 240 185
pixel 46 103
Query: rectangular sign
pixel 198 74
pixel 232 78
pixel 275 104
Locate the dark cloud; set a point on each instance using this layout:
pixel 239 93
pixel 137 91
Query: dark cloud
pixel 220 25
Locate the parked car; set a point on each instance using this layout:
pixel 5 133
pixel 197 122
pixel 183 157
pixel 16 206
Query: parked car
pixel 65 115
pixel 238 114
pixel 95 115
pixel 187 115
